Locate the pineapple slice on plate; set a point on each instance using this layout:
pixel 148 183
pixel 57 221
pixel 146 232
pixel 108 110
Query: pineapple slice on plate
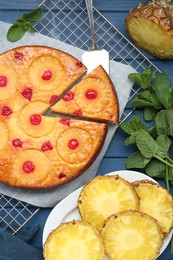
pixel 132 235
pixel 157 202
pixel 150 26
pixel 104 196
pixel 75 240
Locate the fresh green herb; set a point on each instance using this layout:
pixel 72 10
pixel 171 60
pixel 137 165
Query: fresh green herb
pixel 23 24
pixel 153 143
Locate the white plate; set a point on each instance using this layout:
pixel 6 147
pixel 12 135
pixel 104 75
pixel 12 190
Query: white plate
pixel 67 210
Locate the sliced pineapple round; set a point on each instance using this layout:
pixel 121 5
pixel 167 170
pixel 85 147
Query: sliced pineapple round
pixel 92 95
pixel 31 167
pixel 46 73
pixel 74 145
pixel 157 202
pixel 4 135
pixel 32 121
pixel 75 240
pixel 132 235
pixel 104 196
pixel 8 82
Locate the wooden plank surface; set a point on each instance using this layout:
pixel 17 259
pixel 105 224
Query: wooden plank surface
pixel 115 11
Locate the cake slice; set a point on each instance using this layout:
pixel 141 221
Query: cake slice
pixel 94 97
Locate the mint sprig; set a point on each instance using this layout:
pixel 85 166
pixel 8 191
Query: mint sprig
pixel 23 24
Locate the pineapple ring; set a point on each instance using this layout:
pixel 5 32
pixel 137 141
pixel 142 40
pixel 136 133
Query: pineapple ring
pixel 71 145
pixel 46 73
pixel 31 167
pixel 104 196
pixel 8 82
pixel 150 194
pixel 92 96
pixel 132 235
pixel 74 239
pixel 42 125
pixel 4 135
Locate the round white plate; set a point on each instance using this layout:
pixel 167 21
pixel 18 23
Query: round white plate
pixel 67 210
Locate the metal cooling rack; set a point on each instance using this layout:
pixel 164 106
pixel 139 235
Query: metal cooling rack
pixel 67 21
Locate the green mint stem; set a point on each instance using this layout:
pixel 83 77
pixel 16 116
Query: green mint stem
pixel 167 177
pixel 163 161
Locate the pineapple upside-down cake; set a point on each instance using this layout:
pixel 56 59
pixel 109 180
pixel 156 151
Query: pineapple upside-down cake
pixel 43 152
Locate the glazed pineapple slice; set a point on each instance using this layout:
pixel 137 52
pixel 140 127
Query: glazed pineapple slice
pixel 30 168
pixel 75 240
pixel 132 235
pixel 104 196
pixel 8 82
pixel 157 202
pixel 150 26
pixel 33 122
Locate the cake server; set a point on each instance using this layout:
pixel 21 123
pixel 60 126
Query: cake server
pixel 95 56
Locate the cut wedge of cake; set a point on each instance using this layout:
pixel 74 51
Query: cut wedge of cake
pixel 74 240
pixel 93 97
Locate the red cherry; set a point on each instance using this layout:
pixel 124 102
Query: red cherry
pixel 53 98
pixel 65 121
pixel 91 94
pixel 73 144
pixel 61 175
pixel 27 93
pixel 68 96
pixel 3 81
pixel 79 64
pixel 46 146
pixel 6 111
pixel 18 56
pixel 77 112
pixel 35 119
pixel 28 167
pixel 47 75
pixel 17 143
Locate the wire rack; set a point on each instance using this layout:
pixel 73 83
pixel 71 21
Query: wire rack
pixel 67 21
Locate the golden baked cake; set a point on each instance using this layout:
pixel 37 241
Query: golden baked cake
pixel 93 97
pixel 38 151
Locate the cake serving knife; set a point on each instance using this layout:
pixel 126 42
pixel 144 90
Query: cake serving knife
pixel 95 56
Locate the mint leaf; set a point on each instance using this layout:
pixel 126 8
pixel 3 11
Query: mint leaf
pixel 146 144
pixel 164 122
pixel 147 99
pixel 16 32
pixel 163 90
pixel 143 79
pixel 150 113
pixel 136 160
pixel 155 169
pixel 33 16
pixel 164 144
pixel 21 25
pixel 133 125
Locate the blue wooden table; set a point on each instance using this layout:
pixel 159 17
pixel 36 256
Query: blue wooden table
pixel 115 11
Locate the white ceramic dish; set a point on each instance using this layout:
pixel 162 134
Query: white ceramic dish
pixel 66 210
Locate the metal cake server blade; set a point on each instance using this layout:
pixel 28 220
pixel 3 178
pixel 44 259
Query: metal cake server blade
pixel 95 56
